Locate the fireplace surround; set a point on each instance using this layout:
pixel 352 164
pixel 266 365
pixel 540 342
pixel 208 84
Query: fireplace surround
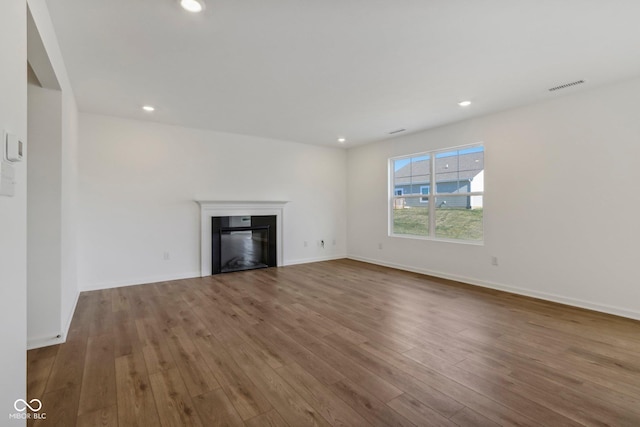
pixel 218 208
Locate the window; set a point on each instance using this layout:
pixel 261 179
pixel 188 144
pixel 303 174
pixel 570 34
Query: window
pixel 454 210
pixel 424 189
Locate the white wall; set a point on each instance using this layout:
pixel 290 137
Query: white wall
pixel 139 182
pixel 561 212
pixel 69 205
pixel 58 313
pixel 44 214
pixel 13 210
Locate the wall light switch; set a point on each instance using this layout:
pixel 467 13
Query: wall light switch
pixel 13 148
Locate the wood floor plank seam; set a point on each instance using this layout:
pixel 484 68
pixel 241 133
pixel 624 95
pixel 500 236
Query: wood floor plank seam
pixel 560 420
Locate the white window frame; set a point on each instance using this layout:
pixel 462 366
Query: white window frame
pixel 431 197
pixel 398 189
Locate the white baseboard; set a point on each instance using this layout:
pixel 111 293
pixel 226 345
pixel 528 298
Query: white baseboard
pixel 316 259
pixel 139 281
pixel 47 341
pixel 622 312
pixel 155 279
pixel 33 343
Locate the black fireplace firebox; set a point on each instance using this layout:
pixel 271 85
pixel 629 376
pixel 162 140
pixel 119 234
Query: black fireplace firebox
pixel 243 243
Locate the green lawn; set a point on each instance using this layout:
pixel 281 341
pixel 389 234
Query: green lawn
pixel 463 224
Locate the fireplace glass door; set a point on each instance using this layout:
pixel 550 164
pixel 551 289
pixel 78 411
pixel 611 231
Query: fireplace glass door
pixel 244 248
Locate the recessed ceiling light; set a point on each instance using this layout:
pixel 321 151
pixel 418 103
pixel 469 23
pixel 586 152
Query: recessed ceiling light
pixel 194 6
pixel 342 140
pixel 464 103
pixel 148 108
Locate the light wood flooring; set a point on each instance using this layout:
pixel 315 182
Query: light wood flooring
pixel 335 343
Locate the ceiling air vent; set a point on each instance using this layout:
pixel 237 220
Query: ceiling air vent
pixel 396 131
pixel 566 85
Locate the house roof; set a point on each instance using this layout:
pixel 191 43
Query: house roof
pixel 448 168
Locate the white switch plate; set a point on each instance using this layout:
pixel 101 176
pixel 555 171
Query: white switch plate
pixel 13 147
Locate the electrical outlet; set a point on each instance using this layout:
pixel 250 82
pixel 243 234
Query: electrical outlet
pixel 322 244
pixel 306 243
pixel 379 245
pixel 334 242
pixel 166 256
pixel 494 260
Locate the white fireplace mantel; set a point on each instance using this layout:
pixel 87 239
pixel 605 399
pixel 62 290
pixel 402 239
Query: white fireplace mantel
pixel 213 208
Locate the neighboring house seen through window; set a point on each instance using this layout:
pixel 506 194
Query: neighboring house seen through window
pixel 454 210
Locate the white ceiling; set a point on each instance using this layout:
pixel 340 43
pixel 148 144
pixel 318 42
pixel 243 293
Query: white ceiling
pixel 311 71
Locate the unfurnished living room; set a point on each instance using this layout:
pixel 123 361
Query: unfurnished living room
pixel 319 213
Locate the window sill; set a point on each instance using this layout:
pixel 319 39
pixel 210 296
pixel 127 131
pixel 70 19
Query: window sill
pixel 438 239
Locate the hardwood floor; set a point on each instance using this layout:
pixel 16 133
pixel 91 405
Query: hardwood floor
pixel 335 343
